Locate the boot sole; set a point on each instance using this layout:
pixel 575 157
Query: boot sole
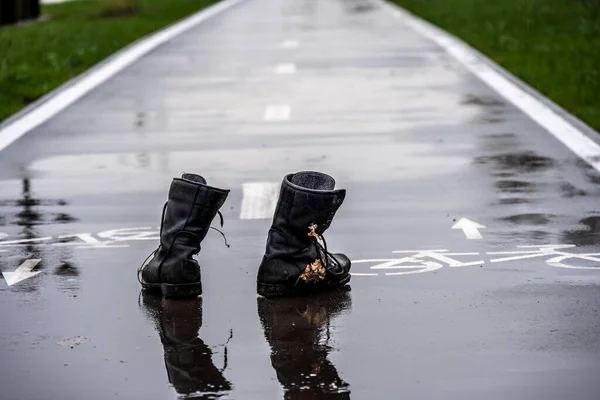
pixel 175 290
pixel 280 290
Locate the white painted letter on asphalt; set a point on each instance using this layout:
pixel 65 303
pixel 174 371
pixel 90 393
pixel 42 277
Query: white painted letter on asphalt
pixel 22 273
pixel 469 228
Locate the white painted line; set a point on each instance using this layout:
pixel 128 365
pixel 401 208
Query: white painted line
pixel 104 246
pixel 290 44
pixel 58 100
pixel 23 242
pixel 362 274
pixel 3 235
pixel 279 112
pixel 21 273
pixel 469 228
pixel 498 79
pixel 285 68
pixel 260 200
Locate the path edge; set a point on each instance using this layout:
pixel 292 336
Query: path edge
pixel 47 106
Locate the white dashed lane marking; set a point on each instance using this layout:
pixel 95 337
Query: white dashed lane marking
pixel 259 200
pixel 278 112
pixel 290 44
pixel 285 68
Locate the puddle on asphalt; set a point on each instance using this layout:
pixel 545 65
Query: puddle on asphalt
pixel 358 6
pixel 588 233
pixel 298 331
pixel 492 110
pixel 530 219
pixel 188 359
pixel 31 215
pixel 69 176
pixel 568 190
pixel 29 211
pixel 523 162
pixel 515 186
pixel 514 200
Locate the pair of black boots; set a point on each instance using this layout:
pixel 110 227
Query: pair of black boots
pixel 296 259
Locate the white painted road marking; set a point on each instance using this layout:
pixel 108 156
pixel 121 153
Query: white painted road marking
pixel 415 262
pixel 285 68
pixel 290 44
pixel 22 273
pixel 260 200
pixel 3 235
pixel 278 112
pixel 469 228
pixel 87 241
pixel 59 100
pixel 24 242
pixel 528 101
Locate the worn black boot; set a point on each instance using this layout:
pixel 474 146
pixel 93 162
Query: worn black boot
pixel 188 359
pixel 187 215
pixel 295 262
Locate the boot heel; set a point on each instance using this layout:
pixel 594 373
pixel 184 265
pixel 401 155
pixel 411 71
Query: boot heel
pixel 181 290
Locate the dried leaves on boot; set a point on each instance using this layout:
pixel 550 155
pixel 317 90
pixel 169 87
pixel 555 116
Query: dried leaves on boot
pixel 314 272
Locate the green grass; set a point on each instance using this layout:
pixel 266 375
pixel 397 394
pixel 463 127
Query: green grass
pixel 553 45
pixel 36 58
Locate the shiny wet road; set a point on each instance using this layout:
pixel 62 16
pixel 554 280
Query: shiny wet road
pixel 267 88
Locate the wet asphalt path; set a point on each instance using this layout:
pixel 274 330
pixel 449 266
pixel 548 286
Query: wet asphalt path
pixel 417 141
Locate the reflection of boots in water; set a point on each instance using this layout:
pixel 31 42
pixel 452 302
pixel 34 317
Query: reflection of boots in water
pixel 298 331
pixel 187 358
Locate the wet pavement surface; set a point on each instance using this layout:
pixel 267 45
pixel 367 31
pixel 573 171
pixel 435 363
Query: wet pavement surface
pixel 417 141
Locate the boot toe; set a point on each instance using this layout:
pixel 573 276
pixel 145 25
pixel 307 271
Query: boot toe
pixel 344 261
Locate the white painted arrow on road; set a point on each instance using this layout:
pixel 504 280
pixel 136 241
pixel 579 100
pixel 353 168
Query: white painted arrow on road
pixel 469 228
pixel 22 273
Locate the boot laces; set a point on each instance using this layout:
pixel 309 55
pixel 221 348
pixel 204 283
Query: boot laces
pixel 162 219
pixel 322 248
pixel 222 234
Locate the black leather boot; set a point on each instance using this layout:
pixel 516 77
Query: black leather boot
pixel 298 332
pixel 187 215
pixel 188 359
pixel 295 262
